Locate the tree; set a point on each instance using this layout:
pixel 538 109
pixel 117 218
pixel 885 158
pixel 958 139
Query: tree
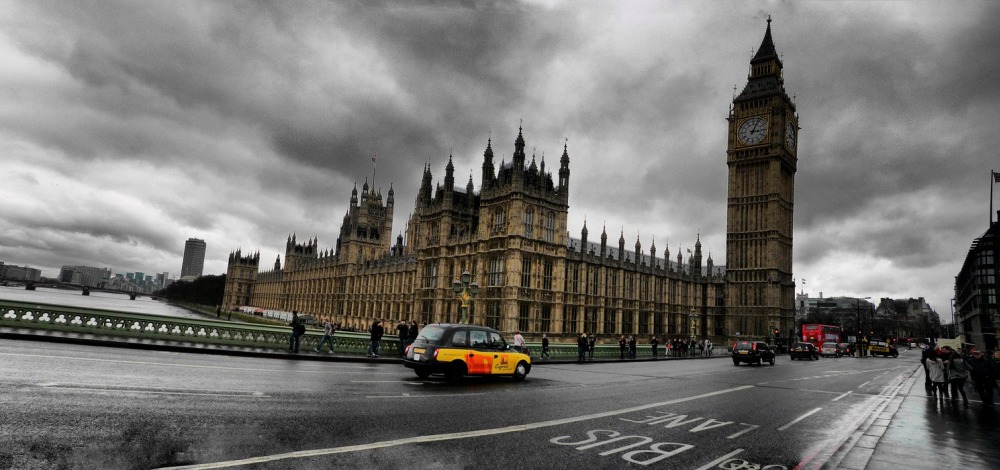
pixel 206 290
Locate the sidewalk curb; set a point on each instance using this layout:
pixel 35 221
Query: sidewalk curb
pixel 860 445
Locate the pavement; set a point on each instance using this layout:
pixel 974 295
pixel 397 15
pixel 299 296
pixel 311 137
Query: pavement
pixel 906 428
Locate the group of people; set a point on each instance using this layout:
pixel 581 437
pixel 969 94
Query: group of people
pixel 299 329
pixel 407 332
pixel 944 367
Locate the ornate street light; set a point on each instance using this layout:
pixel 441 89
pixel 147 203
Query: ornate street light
pixel 466 289
pixel 693 318
pixel 857 343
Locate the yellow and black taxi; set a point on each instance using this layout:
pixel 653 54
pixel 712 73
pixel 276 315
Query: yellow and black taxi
pixel 882 348
pixel 457 350
pixel 752 352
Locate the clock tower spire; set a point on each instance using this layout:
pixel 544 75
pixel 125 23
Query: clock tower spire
pixel 762 160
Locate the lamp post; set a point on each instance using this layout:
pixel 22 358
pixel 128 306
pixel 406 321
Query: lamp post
pixel 693 318
pixel 857 341
pixel 466 289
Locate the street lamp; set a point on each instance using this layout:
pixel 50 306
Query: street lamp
pixel 857 341
pixel 693 318
pixel 466 289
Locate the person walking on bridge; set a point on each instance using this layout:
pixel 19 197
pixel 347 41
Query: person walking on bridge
pixel 984 376
pixel 298 329
pixel 404 333
pixel 328 330
pixel 376 338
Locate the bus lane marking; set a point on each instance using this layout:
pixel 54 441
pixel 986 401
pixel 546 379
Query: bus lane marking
pixel 800 418
pixel 842 396
pixel 454 435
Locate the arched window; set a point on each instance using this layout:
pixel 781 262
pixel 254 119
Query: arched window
pixel 529 223
pixel 550 227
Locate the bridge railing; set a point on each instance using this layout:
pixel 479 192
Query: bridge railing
pixel 175 329
pixel 209 331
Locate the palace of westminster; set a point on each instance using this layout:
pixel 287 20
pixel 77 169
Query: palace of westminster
pixel 512 237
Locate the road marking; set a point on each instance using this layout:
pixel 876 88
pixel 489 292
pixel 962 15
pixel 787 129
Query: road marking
pixel 386 382
pixel 720 460
pixel 196 366
pixel 209 393
pixel 866 383
pixel 407 395
pixel 454 435
pixel 841 396
pixel 800 418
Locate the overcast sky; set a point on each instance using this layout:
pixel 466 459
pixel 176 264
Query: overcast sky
pixel 126 128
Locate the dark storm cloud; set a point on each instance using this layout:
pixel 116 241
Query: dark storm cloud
pixel 243 122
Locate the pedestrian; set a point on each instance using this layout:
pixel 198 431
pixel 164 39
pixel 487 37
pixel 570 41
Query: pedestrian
pixel 984 375
pixel 545 346
pixel 298 329
pixel 519 340
pixel 591 346
pixel 218 311
pixel 328 330
pixel 653 343
pixel 622 346
pixel 926 353
pixel 935 367
pixel 996 364
pixel 700 348
pixel 631 347
pixel 413 332
pixel 958 372
pixel 581 347
pixel 376 332
pixel 403 330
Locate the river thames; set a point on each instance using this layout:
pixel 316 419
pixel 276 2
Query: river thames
pixel 102 300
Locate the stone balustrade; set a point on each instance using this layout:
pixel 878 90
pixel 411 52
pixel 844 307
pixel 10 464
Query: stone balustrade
pixel 157 327
pixel 210 331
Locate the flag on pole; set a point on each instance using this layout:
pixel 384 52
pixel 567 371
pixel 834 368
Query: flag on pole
pixel 373 158
pixel 996 176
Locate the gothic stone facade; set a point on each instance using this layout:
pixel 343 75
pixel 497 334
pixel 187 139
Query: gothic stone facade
pixel 512 236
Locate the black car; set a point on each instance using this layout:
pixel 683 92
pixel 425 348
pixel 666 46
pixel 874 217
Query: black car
pixel 752 352
pixel 804 351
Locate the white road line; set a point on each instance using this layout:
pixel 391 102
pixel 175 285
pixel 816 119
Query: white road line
pixel 800 418
pixel 719 460
pixel 206 393
pixel 407 395
pixel 841 396
pixel 454 435
pixel 866 383
pixel 195 366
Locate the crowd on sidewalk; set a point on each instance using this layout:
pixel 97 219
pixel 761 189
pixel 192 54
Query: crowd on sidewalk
pixel 947 372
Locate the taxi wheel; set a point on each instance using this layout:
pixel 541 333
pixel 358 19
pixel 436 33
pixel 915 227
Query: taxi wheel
pixel 423 373
pixel 772 361
pixel 736 362
pixel 520 372
pixel 455 371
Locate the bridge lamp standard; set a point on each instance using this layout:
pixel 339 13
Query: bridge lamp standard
pixel 857 342
pixel 466 289
pixel 693 318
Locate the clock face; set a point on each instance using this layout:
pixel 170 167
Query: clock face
pixel 790 135
pixel 752 131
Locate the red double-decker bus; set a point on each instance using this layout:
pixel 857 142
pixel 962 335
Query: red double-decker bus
pixel 818 334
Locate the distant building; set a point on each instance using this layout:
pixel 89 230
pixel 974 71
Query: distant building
pixel 19 273
pixel 194 259
pixel 85 276
pixel 512 238
pixel 976 286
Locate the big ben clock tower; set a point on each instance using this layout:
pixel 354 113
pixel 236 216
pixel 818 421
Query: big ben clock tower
pixel 763 131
